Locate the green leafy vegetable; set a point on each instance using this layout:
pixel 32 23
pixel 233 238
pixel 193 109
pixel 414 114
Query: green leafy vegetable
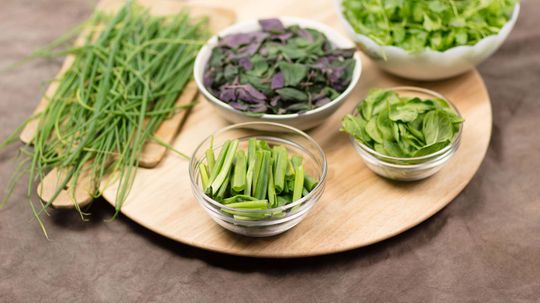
pixel 403 126
pixel 436 24
pixel 278 70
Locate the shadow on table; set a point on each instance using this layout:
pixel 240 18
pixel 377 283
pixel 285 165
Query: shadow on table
pixel 401 244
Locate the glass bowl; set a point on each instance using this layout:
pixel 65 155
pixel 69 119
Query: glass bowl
pixel 274 220
pixel 414 168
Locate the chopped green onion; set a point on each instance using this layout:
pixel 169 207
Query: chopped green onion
pixel 239 177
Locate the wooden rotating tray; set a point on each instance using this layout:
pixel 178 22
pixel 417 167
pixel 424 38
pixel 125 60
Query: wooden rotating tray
pixel 358 208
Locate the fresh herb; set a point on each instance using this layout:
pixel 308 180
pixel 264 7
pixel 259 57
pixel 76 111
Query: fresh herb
pixel 266 178
pixel 436 24
pixel 123 83
pixel 278 70
pixel 403 126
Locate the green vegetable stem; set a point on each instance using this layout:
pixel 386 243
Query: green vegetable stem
pixel 124 81
pixel 264 177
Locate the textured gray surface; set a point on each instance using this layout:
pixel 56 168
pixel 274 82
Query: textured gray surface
pixel 484 247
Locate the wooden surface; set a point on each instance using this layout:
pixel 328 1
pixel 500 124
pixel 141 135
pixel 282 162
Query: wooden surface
pixel 358 208
pixel 152 152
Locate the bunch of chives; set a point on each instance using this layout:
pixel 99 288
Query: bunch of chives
pixel 123 83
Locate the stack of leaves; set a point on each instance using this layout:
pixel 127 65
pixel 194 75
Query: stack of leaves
pixel 436 24
pixel 403 126
pixel 123 83
pixel 278 70
pixel 265 177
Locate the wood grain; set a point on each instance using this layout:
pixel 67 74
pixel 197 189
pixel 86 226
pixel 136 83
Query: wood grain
pixel 152 152
pixel 358 208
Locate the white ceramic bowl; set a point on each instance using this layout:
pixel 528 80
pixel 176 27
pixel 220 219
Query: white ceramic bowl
pixel 429 64
pixel 301 121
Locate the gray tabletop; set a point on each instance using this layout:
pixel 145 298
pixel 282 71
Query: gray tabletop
pixel 485 246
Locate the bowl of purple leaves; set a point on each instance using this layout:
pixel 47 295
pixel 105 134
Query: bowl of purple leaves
pixel 288 70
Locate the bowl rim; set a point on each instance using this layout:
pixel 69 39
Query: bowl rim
pixel 510 23
pixel 383 157
pixel 193 163
pixel 199 67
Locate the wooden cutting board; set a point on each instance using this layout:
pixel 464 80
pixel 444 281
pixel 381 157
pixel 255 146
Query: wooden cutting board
pixel 358 208
pixel 152 152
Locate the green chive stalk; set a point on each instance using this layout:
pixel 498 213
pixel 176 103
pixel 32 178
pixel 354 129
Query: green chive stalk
pixel 249 180
pixel 123 83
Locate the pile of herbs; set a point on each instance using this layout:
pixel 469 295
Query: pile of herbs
pixel 278 70
pixel 403 126
pixel 435 24
pixel 123 83
pixel 265 177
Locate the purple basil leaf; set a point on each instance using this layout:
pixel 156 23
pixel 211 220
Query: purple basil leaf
pixel 274 101
pixel 244 52
pixel 239 106
pixel 239 39
pixel 336 74
pixel 235 40
pixel 250 49
pixel 258 108
pixel 255 93
pixel 282 37
pixel 278 81
pixel 305 34
pixel 271 25
pixel 245 63
pixel 343 52
pixel 208 78
pixel 250 94
pixel 227 94
pixel 322 101
pixel 322 63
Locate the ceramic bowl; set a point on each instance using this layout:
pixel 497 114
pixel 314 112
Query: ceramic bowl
pixel 301 121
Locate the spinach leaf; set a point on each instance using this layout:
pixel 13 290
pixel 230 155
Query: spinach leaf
pixel 403 112
pixel 436 24
pixel 437 127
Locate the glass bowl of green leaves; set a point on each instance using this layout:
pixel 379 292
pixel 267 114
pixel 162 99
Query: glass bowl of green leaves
pixel 258 179
pixel 428 40
pixel 404 133
pixel 289 70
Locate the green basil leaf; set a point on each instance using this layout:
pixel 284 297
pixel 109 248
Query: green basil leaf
pixel 292 94
pixel 293 73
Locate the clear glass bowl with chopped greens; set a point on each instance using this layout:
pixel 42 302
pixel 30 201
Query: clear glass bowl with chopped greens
pixel 271 221
pixel 412 168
